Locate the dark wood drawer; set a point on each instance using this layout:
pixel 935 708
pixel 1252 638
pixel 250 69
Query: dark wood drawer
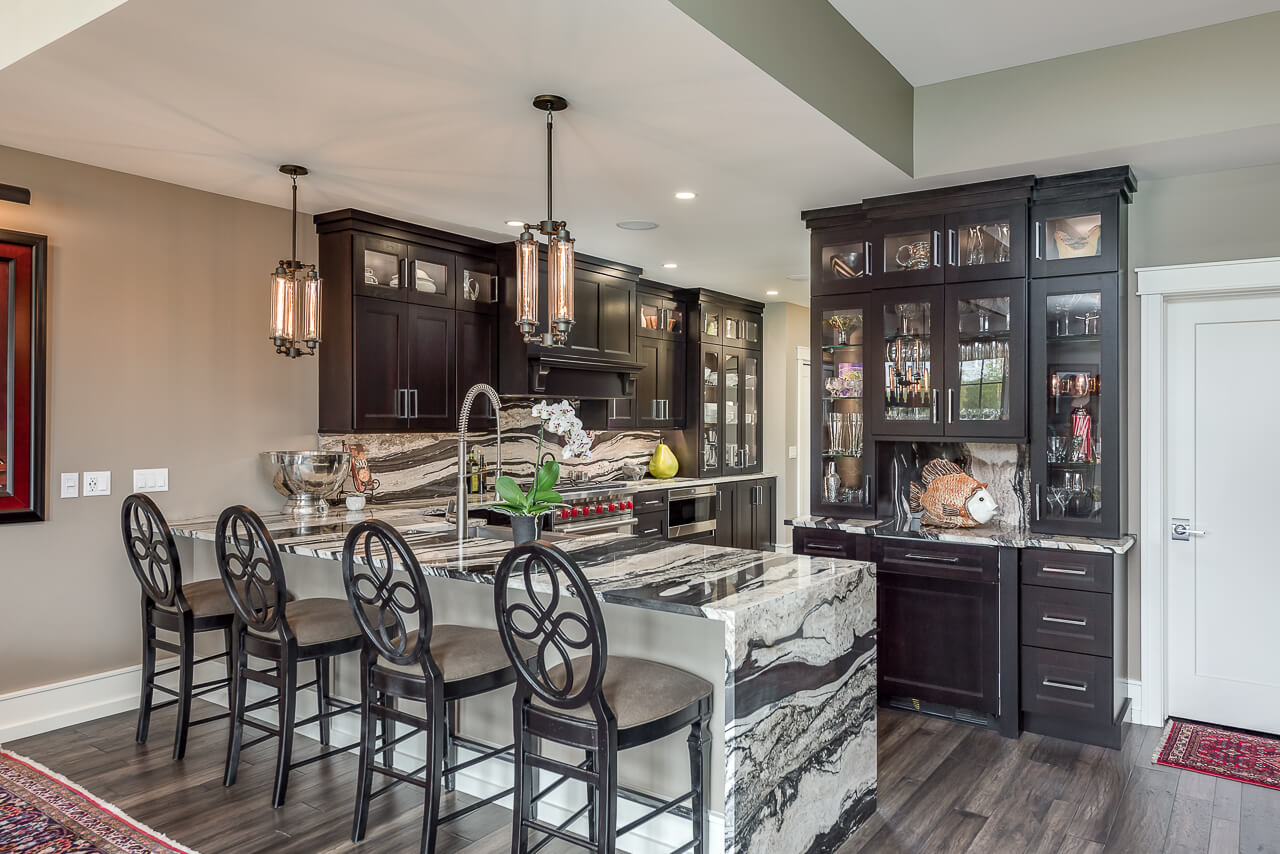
pixel 652 525
pixel 823 542
pixel 1067 685
pixel 647 502
pixel 936 560
pixel 1067 569
pixel 1070 620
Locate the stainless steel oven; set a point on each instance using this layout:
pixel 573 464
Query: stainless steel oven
pixel 595 510
pixel 691 513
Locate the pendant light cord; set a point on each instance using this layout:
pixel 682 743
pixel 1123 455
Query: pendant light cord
pixel 550 127
pixel 293 259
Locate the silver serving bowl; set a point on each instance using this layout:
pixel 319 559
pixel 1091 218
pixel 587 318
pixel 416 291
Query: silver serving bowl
pixel 307 478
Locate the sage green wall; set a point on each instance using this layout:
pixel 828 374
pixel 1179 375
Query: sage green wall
pixel 158 357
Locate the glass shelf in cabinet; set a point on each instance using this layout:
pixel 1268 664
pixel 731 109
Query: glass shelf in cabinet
pixel 830 455
pixel 841 346
pixel 1074 339
pixel 846 397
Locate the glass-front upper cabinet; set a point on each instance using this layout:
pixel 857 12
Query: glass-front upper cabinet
pixel 847 267
pixel 712 415
pixel 712 323
pixel 985 360
pixel 987 243
pixel 393 269
pixel 742 328
pixel 1075 432
pixel 906 382
pixel 749 414
pixel 1075 237
pixel 911 252
pixel 840 471
pixel 732 411
pixel 659 316
pixel 477 284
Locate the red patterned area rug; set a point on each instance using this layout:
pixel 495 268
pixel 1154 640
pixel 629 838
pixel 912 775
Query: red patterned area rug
pixel 43 813
pixel 1221 752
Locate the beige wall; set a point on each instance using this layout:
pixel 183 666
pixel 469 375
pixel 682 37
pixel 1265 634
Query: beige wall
pixel 1216 216
pixel 158 357
pixel 786 326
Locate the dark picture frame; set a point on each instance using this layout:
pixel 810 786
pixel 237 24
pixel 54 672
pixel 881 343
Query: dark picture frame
pixel 23 272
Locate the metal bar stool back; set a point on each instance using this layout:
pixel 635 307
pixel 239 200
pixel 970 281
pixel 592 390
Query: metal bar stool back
pixel 406 656
pixel 576 694
pixel 170 605
pixel 272 625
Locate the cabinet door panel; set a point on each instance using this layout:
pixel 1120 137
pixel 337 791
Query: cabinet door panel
pixel 379 266
pixel 650 315
pixel 985 360
pixel 726 495
pixel 379 353
pixel 1077 237
pixel 431 274
pixel 911 253
pixel 648 402
pixel 711 375
pixel 477 360
pixel 670 383
pixel 743 514
pixel 763 515
pixel 840 469
pixel 906 368
pixel 477 284
pixel 987 243
pixel 431 368
pixel 617 319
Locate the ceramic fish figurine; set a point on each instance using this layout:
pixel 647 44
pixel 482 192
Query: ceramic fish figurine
pixel 950 498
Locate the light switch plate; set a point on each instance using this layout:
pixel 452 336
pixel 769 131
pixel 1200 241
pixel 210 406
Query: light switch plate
pixel 97 483
pixel 150 480
pixel 792 453
pixel 70 485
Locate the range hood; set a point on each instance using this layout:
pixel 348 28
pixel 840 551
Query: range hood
pixel 585 377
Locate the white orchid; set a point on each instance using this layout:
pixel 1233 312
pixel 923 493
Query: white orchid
pixel 560 419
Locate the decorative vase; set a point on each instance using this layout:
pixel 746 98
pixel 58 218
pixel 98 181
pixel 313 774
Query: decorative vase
pixel 663 463
pixel 831 484
pixel 525 529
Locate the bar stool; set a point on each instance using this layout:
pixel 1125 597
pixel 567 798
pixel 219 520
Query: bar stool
pixel 437 665
pixel 594 702
pixel 170 605
pixel 287 633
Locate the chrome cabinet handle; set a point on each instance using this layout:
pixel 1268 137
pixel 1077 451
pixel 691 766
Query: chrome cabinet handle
pixel 1051 683
pixel 415 402
pixel 934 558
pixel 935 406
pixel 828 548
pixel 1066 621
pixel 951 418
pixel 1036 227
pixel 1064 571
pixel 937 248
pixel 866 246
pixel 1037 488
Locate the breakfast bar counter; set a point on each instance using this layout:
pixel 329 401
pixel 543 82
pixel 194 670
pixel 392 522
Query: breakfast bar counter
pixel 788 641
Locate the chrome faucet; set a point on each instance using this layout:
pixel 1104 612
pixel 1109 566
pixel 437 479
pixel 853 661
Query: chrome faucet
pixel 464 415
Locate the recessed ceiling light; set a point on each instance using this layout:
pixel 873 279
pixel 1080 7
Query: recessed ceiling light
pixel 685 195
pixel 515 223
pixel 799 277
pixel 637 225
pixel 771 293
pixel 670 265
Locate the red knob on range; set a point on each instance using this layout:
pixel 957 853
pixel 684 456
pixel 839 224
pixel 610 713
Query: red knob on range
pixel 574 512
pixel 599 508
pixel 629 505
pixel 564 514
pixel 613 507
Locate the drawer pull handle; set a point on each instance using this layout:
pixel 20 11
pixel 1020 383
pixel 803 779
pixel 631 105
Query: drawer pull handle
pixel 1050 683
pixel 1067 621
pixel 934 558
pixel 825 548
pixel 1064 571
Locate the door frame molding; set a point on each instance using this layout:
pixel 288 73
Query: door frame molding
pixel 1157 287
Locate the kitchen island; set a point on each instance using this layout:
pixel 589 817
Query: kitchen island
pixel 788 641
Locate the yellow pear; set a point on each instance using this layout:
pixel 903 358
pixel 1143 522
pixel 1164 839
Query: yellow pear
pixel 663 463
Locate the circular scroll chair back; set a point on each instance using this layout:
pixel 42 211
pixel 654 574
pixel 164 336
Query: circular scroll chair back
pixel 152 553
pixel 250 566
pixel 385 604
pixel 560 617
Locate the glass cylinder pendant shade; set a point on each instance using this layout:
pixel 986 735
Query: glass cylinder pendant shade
pixel 527 284
pixel 283 306
pixel 560 283
pixel 310 314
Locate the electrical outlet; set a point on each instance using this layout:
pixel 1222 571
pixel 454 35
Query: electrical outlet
pixel 150 480
pixel 97 483
pixel 70 485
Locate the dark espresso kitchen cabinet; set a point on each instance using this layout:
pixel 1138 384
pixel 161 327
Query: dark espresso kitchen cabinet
pixel 659 400
pixel 405 370
pixel 746 514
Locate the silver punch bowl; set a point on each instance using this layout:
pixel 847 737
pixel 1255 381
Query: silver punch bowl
pixel 306 478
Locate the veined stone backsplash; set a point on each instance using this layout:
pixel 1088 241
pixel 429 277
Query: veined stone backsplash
pixel 425 465
pixel 1005 468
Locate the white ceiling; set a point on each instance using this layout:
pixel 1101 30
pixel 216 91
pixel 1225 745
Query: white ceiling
pixel 420 110
pixel 930 41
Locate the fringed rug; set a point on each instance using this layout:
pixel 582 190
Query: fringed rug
pixel 43 813
pixel 1221 752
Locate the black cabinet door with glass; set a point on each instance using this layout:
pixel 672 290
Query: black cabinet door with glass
pixel 1075 237
pixel 985 360
pixel 742 413
pixel 711 417
pixel 846 261
pixel 911 252
pixel 840 469
pixel 1075 403
pixel 987 243
pixel 906 330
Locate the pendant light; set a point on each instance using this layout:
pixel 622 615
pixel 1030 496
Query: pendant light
pixel 559 259
pixel 295 293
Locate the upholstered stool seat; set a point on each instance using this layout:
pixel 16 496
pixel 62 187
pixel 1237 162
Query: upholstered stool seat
pixel 206 599
pixel 639 691
pixel 461 653
pixel 317 621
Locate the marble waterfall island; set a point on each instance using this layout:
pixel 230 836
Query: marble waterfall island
pixel 788 641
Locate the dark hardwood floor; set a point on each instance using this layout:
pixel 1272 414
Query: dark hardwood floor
pixel 944 787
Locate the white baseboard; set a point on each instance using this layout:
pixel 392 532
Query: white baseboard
pixel 1133 690
pixel 49 707
pixel 75 701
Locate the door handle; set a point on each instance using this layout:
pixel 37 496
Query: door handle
pixel 1066 621
pixel 951 247
pixel 1051 683
pixel 415 403
pixel 1037 489
pixel 1182 531
pixel 1064 571
pixel 1036 226
pixel 935 406
pixel 951 418
pixel 937 251
pixel 934 558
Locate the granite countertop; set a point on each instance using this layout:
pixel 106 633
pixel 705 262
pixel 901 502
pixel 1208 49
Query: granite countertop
pixel 687 578
pixel 989 536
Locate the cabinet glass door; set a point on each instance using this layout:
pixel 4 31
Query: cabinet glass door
pixel 841 476
pixel 1075 237
pixel 651 315
pixel 749 411
pixel 673 318
pixel 712 409
pixel 989 243
pixel 911 253
pixel 732 411
pixel 910 373
pixel 1074 422
pixel 429 277
pixel 380 265
pixel 712 317
pixel 477 285
pixel 986 358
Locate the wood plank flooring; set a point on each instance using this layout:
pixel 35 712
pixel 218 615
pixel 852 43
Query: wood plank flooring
pixel 944 787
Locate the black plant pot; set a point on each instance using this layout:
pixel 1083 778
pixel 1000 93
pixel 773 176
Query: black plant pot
pixel 524 529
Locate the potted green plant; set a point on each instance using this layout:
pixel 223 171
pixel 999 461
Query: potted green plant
pixel 526 509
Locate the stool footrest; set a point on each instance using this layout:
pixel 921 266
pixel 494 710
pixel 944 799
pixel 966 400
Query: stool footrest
pixel 211 719
pixel 334 752
pixel 661 809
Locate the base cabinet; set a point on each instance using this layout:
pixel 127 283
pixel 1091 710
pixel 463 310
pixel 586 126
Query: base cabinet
pixel 746 514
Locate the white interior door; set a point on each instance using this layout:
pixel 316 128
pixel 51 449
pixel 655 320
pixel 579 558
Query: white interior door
pixel 802 431
pixel 1223 418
